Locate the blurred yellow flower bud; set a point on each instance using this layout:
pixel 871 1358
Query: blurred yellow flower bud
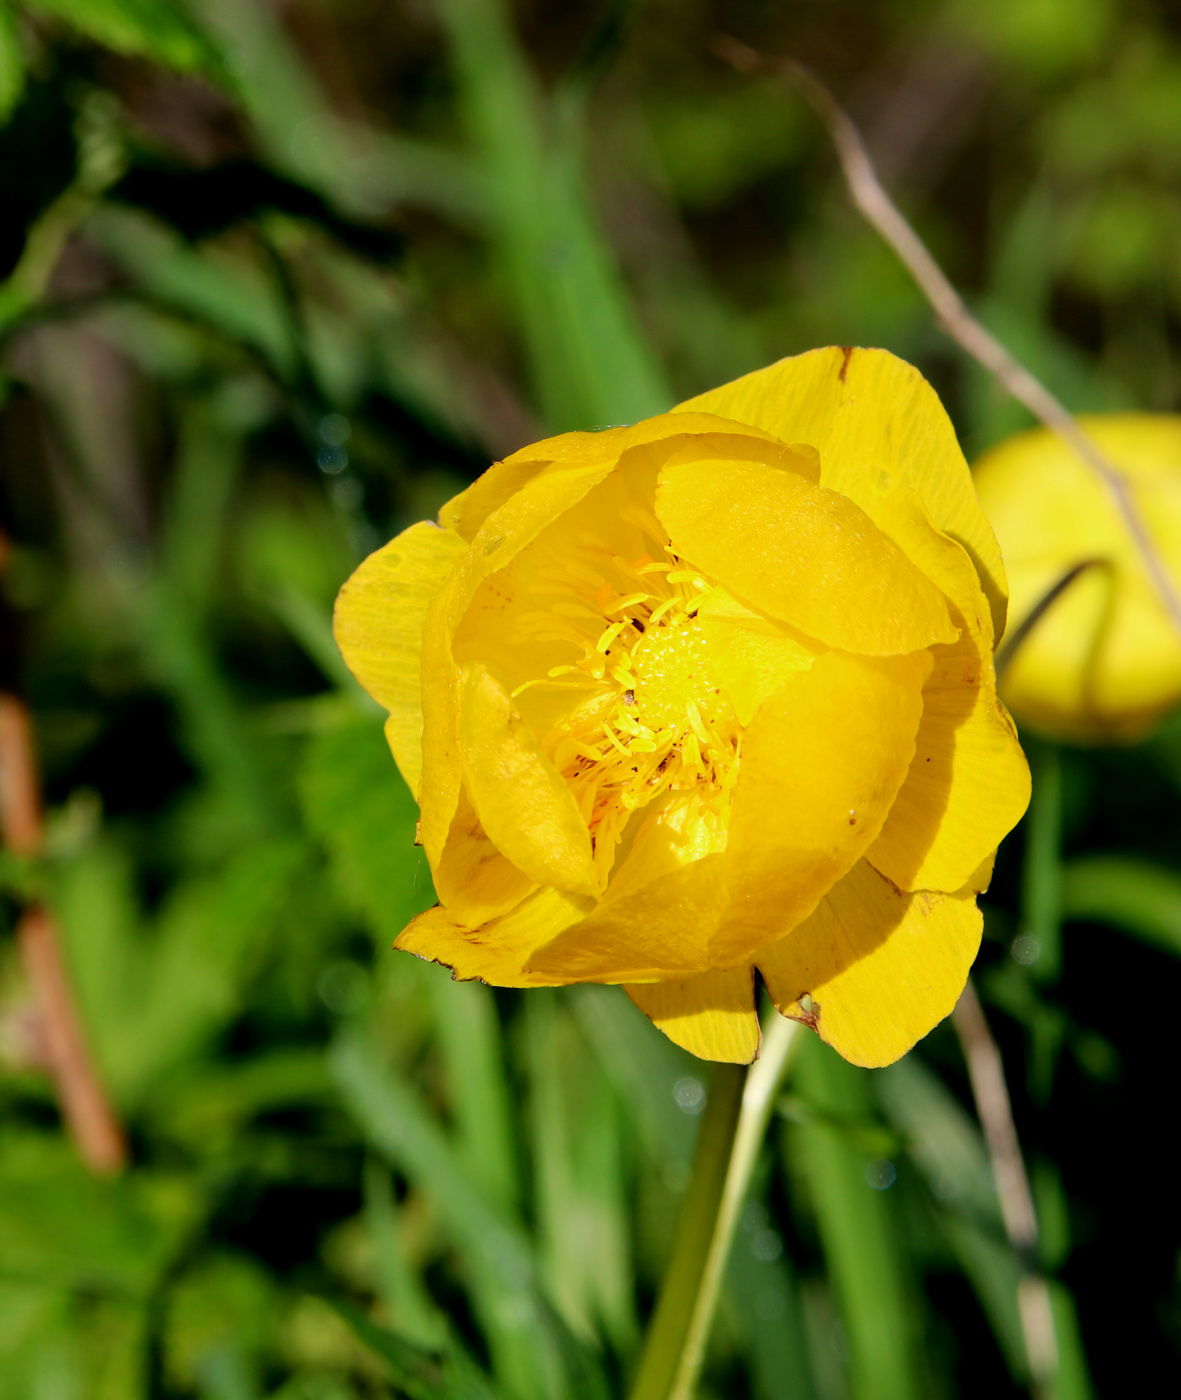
pixel 708 695
pixel 1103 662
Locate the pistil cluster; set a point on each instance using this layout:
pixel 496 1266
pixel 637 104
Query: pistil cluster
pixel 646 715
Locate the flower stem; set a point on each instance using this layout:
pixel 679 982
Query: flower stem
pixel 731 1133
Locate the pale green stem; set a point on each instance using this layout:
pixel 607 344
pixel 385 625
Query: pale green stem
pixel 732 1132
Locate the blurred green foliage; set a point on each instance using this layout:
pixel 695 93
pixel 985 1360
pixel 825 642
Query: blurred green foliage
pixel 277 281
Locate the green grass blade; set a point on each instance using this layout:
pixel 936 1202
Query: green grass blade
pixel 1136 896
pixel 1041 875
pixel 858 1231
pixel 495 1251
pixel 589 361
pixel 467 1028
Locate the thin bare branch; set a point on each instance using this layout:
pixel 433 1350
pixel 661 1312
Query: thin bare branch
pixel 879 209
pixel 987 1074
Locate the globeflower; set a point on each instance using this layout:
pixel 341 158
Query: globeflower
pixel 1104 661
pixel 709 695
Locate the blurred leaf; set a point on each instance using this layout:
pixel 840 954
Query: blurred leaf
pixel 422 1374
pixel 1133 895
pixel 151 1001
pixel 645 1068
pixel 494 1249
pixel 1073 1381
pixel 365 168
pixel 763 1292
pixel 12 66
pixel 589 361
pixel 948 1148
pixel 862 1244
pixel 468 1032
pixel 62 1227
pixel 156 29
pixel 357 803
pixel 579 1181
pixel 943 1141
pixel 402 1293
pixel 232 296
pixel 220 1316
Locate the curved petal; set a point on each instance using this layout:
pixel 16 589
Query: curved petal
pixel 821 765
pixel 712 1016
pixel 474 880
pixel 877 425
pixel 501 537
pixel 659 930
pixel 496 951
pixel 751 654
pixel 378 624
pixel 967 788
pixel 524 806
pixel 968 784
pixel 881 967
pixel 801 553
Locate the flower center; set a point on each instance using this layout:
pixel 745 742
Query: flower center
pixel 648 714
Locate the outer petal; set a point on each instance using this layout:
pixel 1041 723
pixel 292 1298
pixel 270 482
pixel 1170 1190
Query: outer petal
pixel 821 765
pixel 467 512
pixel 801 553
pixel 968 784
pixel 505 532
pixel 496 952
pixel 877 425
pixel 378 625
pixel 712 1016
pixel 474 880
pixel 658 931
pixel 881 967
pixel 523 804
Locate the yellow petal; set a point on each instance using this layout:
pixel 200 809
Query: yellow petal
pixel 378 625
pixel 712 1016
pixel 573 464
pixel 501 537
pixel 472 878
pixel 877 425
pixel 821 765
pixel 967 788
pixel 751 655
pixel 1105 660
pixel 659 930
pixel 466 512
pixel 524 806
pixel 881 967
pixel 801 553
pixel 968 784
pixel 495 952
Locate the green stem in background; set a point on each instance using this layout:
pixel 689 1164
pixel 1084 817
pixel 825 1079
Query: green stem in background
pixel 1041 876
pixel 732 1131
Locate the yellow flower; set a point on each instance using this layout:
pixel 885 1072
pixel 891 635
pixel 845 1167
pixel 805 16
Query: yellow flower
pixel 709 694
pixel 1104 662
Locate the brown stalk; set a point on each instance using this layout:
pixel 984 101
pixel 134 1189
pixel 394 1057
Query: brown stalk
pixel 987 1074
pixel 868 194
pixel 80 1092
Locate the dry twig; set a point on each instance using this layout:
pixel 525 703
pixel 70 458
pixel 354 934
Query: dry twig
pixel 987 1073
pixel 879 209
pixel 81 1095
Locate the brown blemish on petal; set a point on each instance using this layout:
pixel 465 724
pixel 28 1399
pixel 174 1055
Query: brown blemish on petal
pixel 847 352
pixel 806 1011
